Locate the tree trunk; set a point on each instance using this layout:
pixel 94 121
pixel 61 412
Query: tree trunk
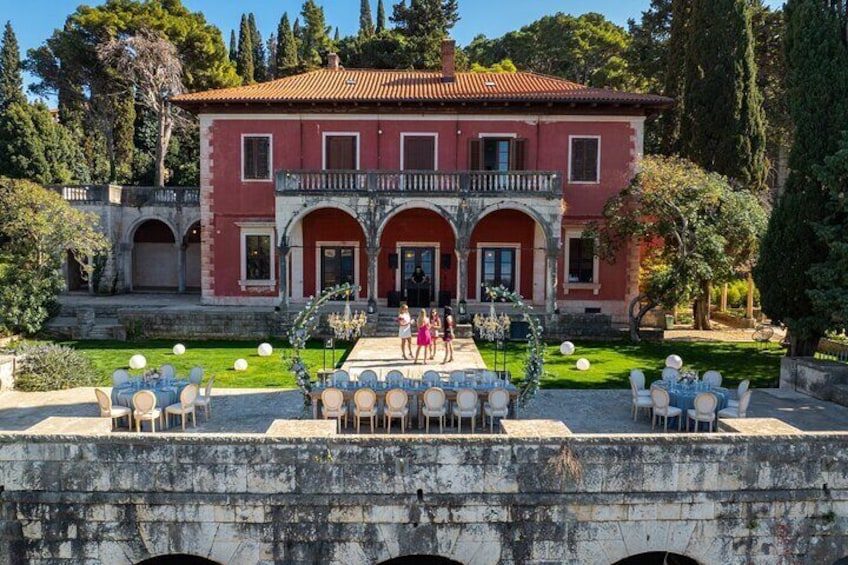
pixel 701 308
pixel 165 127
pixel 635 319
pixel 803 347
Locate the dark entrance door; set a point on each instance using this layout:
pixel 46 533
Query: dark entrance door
pixel 417 294
pixel 337 266
pixel 498 267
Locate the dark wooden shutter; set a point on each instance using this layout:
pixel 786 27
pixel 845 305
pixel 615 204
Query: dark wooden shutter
pixel 262 158
pixel 517 154
pixel 341 152
pixel 419 153
pixel 475 154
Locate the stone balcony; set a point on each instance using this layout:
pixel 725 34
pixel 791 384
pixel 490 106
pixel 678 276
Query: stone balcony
pixel 136 196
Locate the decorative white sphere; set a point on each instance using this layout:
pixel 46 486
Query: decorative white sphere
pixel 583 364
pixel 567 348
pixel 264 350
pixel 240 365
pixel 674 361
pixel 138 361
pixel 179 349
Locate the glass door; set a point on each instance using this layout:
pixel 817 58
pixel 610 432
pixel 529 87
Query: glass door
pixel 337 266
pixel 418 293
pixel 498 268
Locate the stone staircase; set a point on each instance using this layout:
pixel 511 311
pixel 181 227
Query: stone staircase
pixel 84 323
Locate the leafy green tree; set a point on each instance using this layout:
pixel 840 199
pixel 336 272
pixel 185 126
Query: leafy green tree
pixel 37 230
pixel 244 58
pixel 505 66
pixel 381 17
pixel 722 128
pixel 647 52
pixel 315 44
pixel 11 79
pixel 693 227
pixel 385 50
pixel 366 22
pixel 260 66
pixel 424 24
pixel 817 82
pixel 287 60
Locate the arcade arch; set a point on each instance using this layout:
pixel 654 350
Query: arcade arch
pixel 154 257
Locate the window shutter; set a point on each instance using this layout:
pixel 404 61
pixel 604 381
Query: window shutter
pixel 262 152
pixel 518 155
pixel 592 160
pixel 475 154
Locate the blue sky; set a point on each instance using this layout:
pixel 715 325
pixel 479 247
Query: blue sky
pixel 35 20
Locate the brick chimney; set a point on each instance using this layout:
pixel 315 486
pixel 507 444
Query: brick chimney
pixel 448 60
pixel 333 62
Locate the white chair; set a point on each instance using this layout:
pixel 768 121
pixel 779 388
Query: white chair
pixel 341 378
pixel 662 408
pixel 394 378
pixel 496 407
pixel 365 406
pixel 488 377
pixel 119 377
pixel 368 378
pixel 185 406
pixel 712 378
pixel 195 376
pixel 434 407
pixel 739 411
pixel 396 407
pixel 205 401
pixel 639 401
pixel 457 378
pixel 144 408
pixel 109 411
pixel 465 407
pixel 740 390
pixel 167 370
pixel 704 410
pixel 431 378
pixel 670 374
pixel 637 379
pixel 332 401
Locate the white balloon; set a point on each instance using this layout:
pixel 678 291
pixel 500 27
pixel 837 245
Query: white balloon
pixel 583 364
pixel 674 361
pixel 138 361
pixel 567 348
pixel 264 350
pixel 179 349
pixel 240 365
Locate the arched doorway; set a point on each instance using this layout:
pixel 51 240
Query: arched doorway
pixel 417 237
pixel 657 558
pixel 154 257
pixel 421 560
pixel 74 271
pixel 192 241
pixel 178 559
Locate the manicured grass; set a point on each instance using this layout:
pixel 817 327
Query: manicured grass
pixel 216 358
pixel 611 362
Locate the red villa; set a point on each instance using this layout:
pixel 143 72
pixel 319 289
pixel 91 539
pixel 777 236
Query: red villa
pixel 339 175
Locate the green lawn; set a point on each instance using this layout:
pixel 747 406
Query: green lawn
pixel 611 362
pixel 216 358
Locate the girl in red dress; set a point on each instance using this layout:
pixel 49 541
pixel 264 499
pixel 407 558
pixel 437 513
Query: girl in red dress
pixel 423 335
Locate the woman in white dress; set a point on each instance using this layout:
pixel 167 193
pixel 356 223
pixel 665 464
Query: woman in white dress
pixel 405 330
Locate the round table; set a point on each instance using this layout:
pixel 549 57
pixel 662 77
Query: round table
pixel 167 392
pixel 682 395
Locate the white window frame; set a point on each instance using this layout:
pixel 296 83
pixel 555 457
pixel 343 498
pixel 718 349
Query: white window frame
pixel 257 228
pixel 437 261
pixel 326 134
pixel 597 163
pixel 270 157
pixel 356 272
pixel 595 285
pixel 511 245
pixel 435 137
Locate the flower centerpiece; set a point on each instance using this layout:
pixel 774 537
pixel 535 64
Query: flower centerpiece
pixel 688 375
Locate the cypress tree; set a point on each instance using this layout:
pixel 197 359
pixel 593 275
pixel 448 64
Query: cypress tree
pixel 366 22
pixel 286 48
pixel 674 76
pixel 244 58
pixel 233 46
pixel 336 36
pixel 11 79
pixel 315 40
pixel 271 44
pixel 260 66
pixel 723 127
pixel 817 79
pixel 381 17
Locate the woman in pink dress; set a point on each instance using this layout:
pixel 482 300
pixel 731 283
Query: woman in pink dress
pixel 423 335
pixel 435 326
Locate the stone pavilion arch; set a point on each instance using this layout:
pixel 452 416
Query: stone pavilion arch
pixel 191 249
pixel 153 255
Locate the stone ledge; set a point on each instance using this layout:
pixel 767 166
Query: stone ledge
pixel 756 427
pixel 57 425
pixel 302 428
pixel 535 428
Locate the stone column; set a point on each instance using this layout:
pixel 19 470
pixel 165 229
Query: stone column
pixel 181 268
pixel 551 267
pixel 462 252
pixel 283 252
pixel 373 254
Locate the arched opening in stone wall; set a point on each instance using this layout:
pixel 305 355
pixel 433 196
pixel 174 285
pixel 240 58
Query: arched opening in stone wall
pixel 420 560
pixel 178 559
pixel 657 558
pixel 191 240
pixel 154 257
pixel 75 279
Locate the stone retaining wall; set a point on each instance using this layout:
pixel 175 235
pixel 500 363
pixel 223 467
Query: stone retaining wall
pixel 813 377
pixel 204 324
pixel 300 494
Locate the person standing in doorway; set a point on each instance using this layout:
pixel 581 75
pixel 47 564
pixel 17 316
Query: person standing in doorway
pixel 405 330
pixel 423 335
pixel 435 326
pixel 448 335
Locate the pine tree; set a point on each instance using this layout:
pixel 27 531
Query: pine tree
pixel 336 36
pixel 381 17
pixel 244 58
pixel 315 41
pixel 424 24
pixel 366 22
pixel 286 48
pixel 233 46
pixel 260 66
pixel 11 79
pixel 817 78
pixel 723 126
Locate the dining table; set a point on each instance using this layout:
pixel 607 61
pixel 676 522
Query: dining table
pixel 682 394
pixel 167 391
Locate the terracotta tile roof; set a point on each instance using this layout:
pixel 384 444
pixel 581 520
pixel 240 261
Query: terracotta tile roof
pixel 373 86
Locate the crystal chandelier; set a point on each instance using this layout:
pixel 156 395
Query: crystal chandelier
pixel 491 327
pixel 347 326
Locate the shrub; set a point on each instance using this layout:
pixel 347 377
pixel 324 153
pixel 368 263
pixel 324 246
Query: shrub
pixel 53 367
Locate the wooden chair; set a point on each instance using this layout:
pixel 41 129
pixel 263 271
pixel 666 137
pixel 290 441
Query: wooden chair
pixel 394 378
pixel 496 407
pixel 365 406
pixel 333 404
pixel 639 401
pixel 195 376
pixel 740 390
pixel 205 401
pixel 396 407
pixel 185 406
pixel 662 408
pixel 144 408
pixel 368 378
pixel 434 407
pixel 704 410
pixel 341 378
pixel 119 377
pixel 466 406
pixel 712 378
pixel 738 411
pixel 109 411
pixel 167 370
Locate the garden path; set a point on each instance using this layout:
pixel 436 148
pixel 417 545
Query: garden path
pixel 383 354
